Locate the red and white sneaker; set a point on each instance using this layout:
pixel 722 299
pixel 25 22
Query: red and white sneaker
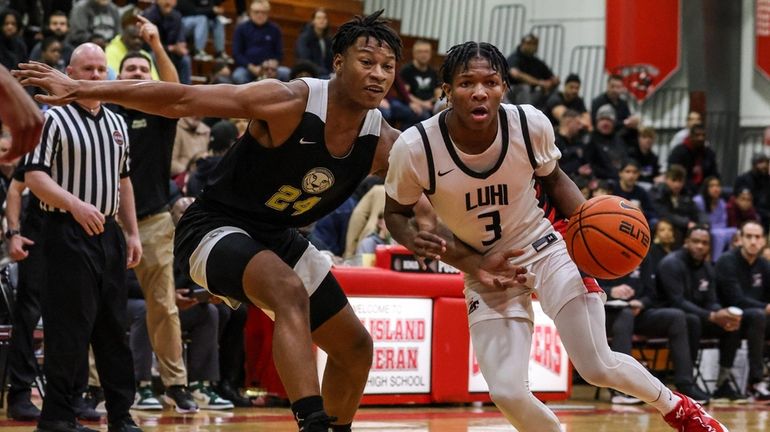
pixel 689 416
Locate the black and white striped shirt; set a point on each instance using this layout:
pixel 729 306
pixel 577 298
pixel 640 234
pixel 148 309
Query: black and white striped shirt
pixel 85 154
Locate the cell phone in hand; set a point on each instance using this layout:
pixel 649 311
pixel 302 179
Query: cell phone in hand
pixel 199 294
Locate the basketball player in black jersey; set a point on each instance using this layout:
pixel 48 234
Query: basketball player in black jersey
pixel 308 145
pixel 20 114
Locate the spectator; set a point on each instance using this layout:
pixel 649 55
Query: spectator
pixel 269 70
pixel 663 242
pixel 615 97
pixel 200 16
pixel 303 68
pixel 673 203
pixel 127 41
pixel 628 188
pixel 50 55
pixel 711 203
pixel 221 73
pixel 363 220
pixel 380 236
pixel 532 80
pixel 740 208
pixel 743 281
pixel 648 160
pixel 685 280
pixel 568 99
pixel 58 26
pixel 314 44
pixel 420 77
pixel 401 107
pixel 169 22
pixel 633 309
pixel 697 159
pixel 12 48
pixel 223 135
pixel 570 145
pixel 90 18
pixel 606 150
pixel 757 180
pixel 200 320
pixel 255 41
pixel 693 118
pixel 192 139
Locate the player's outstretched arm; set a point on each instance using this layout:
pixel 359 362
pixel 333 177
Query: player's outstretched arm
pixel 20 113
pixel 562 190
pixel 261 100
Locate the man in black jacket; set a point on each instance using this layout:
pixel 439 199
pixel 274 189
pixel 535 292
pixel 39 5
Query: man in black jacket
pixel 699 160
pixel 685 280
pixel 743 280
pixel 633 308
pixel 757 180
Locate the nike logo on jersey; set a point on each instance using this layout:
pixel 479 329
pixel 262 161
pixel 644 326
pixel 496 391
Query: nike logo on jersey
pixel 304 141
pixel 442 174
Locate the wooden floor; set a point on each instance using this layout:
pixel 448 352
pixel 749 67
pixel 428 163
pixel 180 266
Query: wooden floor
pixel 580 414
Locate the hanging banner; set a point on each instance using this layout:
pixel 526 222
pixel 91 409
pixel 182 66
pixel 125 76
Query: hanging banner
pixel 643 43
pixel 762 37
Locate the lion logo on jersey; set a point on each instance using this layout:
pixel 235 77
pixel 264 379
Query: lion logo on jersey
pixel 317 180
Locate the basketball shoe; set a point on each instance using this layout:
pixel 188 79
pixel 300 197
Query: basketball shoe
pixel 689 416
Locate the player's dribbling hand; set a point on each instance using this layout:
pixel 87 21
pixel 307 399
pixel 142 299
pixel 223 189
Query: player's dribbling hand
pixel 61 88
pixel 496 270
pixel 427 245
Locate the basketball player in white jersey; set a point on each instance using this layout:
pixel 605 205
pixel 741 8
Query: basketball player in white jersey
pixel 476 162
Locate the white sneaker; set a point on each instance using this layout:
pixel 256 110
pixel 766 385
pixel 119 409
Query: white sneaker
pixel 207 398
pixel 619 398
pixel 146 400
pixel 224 20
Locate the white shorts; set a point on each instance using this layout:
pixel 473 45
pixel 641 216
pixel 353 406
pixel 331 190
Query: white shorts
pixel 554 278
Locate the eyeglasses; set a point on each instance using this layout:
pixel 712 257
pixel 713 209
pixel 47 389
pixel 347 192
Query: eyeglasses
pixel 258 12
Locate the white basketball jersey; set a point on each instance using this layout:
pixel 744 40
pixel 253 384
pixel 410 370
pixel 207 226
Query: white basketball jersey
pixel 490 209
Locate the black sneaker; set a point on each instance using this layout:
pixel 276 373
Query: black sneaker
pixel 61 426
pixel 125 425
pixel 695 393
pixel 726 393
pixel 316 422
pixel 227 391
pixel 83 410
pixel 179 397
pixel 22 409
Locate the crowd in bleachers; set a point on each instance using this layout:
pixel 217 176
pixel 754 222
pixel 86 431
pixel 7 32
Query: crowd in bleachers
pixel 682 291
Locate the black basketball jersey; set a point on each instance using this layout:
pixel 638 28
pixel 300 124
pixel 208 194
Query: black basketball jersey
pixel 298 182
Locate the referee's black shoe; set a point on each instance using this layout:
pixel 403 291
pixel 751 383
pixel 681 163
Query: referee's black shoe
pixel 125 425
pixel 61 426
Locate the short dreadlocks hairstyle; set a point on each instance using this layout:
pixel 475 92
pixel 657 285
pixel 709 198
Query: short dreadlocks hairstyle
pixel 371 26
pixel 458 57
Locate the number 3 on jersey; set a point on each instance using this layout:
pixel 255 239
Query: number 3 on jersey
pixel 288 195
pixel 494 227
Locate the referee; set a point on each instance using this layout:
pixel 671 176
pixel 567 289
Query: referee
pixel 80 173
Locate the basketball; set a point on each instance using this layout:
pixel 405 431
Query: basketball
pixel 607 237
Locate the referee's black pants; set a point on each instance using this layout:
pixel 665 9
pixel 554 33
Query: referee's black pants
pixel 85 301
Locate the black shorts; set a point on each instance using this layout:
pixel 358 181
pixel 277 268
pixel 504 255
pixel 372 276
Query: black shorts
pixel 214 249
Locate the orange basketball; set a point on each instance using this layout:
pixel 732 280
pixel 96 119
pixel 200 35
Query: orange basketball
pixel 607 237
